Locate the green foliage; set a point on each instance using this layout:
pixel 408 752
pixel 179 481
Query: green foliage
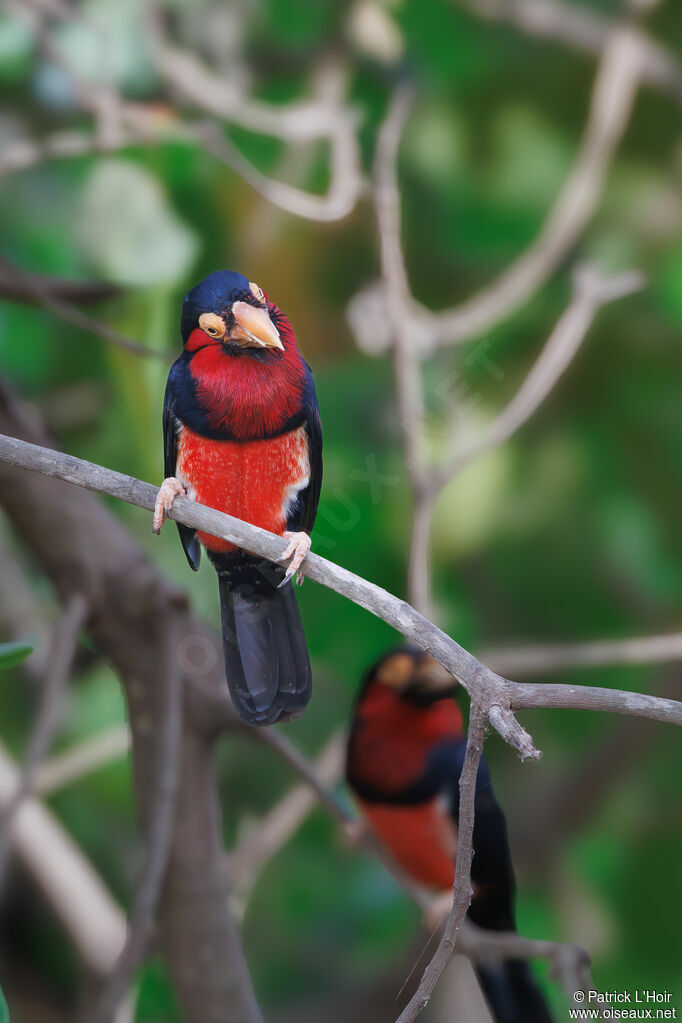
pixel 12 654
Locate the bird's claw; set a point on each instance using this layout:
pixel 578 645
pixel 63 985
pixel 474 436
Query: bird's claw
pixel 168 491
pixel 297 550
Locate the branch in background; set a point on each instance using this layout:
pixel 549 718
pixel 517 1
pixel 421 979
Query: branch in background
pixel 612 101
pixel 42 294
pixel 81 546
pixel 581 28
pixel 159 831
pixel 14 287
pixel 93 921
pixel 325 118
pixel 48 715
pixel 478 723
pixel 264 839
pixel 406 361
pixel 121 123
pixel 591 292
pixel 537 659
pixel 81 759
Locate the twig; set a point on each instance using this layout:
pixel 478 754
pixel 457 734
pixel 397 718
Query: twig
pixel 81 759
pixel 49 713
pixel 40 290
pixel 93 921
pixel 325 118
pixel 489 689
pixel 15 288
pixel 462 886
pixel 158 838
pixel 540 658
pixel 612 99
pixel 591 292
pixel 569 962
pixel 406 362
pixel 264 839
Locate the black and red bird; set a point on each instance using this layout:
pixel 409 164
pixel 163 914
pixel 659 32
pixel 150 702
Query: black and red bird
pixel 404 759
pixel 242 434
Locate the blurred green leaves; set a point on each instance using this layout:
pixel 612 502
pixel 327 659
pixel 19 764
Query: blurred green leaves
pixel 13 654
pixel 4 1010
pixel 127 229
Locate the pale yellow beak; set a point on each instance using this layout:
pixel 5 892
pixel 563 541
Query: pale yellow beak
pixel 432 676
pixel 253 328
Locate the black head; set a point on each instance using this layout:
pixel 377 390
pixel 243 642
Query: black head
pixel 231 309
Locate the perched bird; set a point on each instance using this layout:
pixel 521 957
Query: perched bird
pixel 404 759
pixel 242 434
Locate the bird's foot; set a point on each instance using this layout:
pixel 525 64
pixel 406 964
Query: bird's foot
pixel 438 910
pixel 168 491
pixel 299 545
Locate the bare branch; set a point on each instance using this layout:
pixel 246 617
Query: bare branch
pixel 612 701
pixel 80 545
pixel 406 363
pixel 613 96
pixel 612 100
pixel 265 839
pixel 161 799
pixel 590 292
pixel 15 288
pixel 489 689
pixel 49 713
pixel 569 963
pixel 462 887
pixel 81 759
pixel 539 658
pixel 324 118
pixel 582 28
pixel 42 294
pixel 93 921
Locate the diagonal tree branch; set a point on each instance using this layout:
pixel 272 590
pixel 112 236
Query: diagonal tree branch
pixel 94 922
pixel 491 691
pixel 590 293
pixel 60 306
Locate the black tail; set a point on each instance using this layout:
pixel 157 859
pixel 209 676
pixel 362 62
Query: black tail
pixel 266 656
pixel 512 993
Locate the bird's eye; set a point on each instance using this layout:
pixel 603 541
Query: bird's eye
pixel 212 324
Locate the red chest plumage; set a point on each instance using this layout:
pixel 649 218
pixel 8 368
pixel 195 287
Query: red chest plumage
pixel 254 480
pixel 395 738
pixel 423 839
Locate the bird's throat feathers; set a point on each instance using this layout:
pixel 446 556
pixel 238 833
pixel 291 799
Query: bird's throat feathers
pixel 392 737
pixel 248 393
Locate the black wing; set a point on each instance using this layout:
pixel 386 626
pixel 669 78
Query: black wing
pixel 171 424
pixel 303 515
